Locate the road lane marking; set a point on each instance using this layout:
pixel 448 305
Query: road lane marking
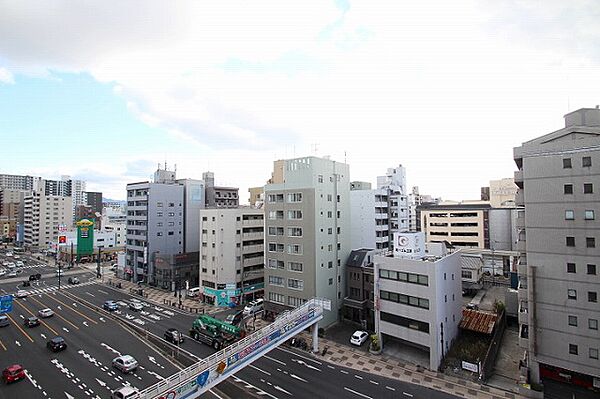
pixel 303 363
pixel 74 310
pixel 41 321
pixel 298 378
pixel 390 388
pixel 275 360
pixel 19 327
pixel 4 347
pixel 343 372
pixel 262 371
pixel 407 394
pixel 358 376
pixel 357 393
pixel 56 314
pixel 90 294
pixel 300 356
pixel 104 292
pixel 373 382
pixel 18 343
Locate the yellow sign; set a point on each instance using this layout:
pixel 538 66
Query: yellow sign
pixel 84 223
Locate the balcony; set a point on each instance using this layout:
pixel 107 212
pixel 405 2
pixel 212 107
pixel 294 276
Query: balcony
pixel 523 315
pixel 522 267
pixel 259 260
pixel 522 289
pixel 519 179
pixel 520 198
pixel 253 236
pixel 253 248
pixel 253 274
pixel 524 336
pixel 355 303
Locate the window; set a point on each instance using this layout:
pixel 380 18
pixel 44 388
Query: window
pixel 295 302
pixel 405 322
pixel 294 249
pixel 295 266
pixel 573 349
pixel 171 204
pixel 590 242
pixel 294 231
pixel 159 234
pixel 171 223
pixel 320 178
pixel 571 268
pixel 588 188
pixel 568 189
pixel 204 219
pixel 295 284
pixel 275 297
pixel 275 247
pixel 569 215
pixel 159 214
pixel 467 274
pixel 593 353
pixel 586 162
pixel 296 214
pixel 566 163
pixel 330 230
pixel 276 280
pixel 275 264
pixel 572 294
pixel 592 296
pixel 404 299
pixel 171 233
pixel 591 269
pixel 330 264
pixel 570 241
pixel 573 321
pixel 329 214
pixel 294 197
pixel 273 215
pixel 273 198
pixel 159 224
pixel 593 324
pixel 275 231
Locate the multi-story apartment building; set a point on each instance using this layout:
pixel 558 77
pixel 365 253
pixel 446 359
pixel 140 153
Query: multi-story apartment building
pixel 154 226
pixel 559 278
pixel 418 295
pixel 67 187
pixel 231 255
pixel 415 200
pixel 394 182
pixel 370 217
pixel 17 182
pixel 360 285
pixel 307 241
pixel 44 216
pixel 94 200
pixel 218 196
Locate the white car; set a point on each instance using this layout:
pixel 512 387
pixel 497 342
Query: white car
pixel 45 313
pixel 12 274
pixel 20 263
pixel 254 306
pixel 136 306
pixel 21 294
pixel 359 337
pixel 9 254
pixel 125 363
pixel 126 392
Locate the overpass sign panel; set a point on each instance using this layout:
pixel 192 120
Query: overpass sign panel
pixel 6 302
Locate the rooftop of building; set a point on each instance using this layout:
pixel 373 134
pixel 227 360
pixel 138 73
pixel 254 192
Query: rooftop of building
pixel 456 205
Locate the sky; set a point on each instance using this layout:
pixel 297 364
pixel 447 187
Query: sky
pixel 105 91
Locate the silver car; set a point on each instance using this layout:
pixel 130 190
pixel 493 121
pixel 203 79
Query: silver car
pixel 125 363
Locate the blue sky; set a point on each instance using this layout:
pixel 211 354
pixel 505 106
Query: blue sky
pixel 106 91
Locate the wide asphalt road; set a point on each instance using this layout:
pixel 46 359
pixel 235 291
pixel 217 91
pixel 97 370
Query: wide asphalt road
pixel 282 373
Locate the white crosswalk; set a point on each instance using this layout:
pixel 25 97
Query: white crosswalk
pixel 52 288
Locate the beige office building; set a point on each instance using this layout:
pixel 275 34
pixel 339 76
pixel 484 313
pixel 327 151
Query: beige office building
pixel 44 217
pixel 460 224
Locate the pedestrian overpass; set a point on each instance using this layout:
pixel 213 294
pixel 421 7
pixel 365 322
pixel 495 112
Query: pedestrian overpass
pixel 200 377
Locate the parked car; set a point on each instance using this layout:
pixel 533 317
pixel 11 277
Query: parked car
pixel 12 274
pixel 254 306
pixel 20 263
pixel 13 373
pixel 45 313
pixel 126 392
pixel 136 306
pixel 56 344
pixel 125 363
pixel 110 306
pixel 32 322
pixel 4 320
pixel 193 292
pixel 174 336
pixel 21 294
pixel 73 280
pixel 359 337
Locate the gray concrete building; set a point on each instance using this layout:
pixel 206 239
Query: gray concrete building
pixel 18 182
pixel 559 282
pixel 154 226
pixel 219 196
pixel 307 241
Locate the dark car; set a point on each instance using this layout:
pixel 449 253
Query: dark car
pixel 26 283
pixel 34 277
pixel 32 322
pixel 13 373
pixel 173 336
pixel 73 280
pixel 56 344
pixel 110 306
pixel 235 318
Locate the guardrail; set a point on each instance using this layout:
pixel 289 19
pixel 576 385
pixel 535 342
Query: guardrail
pixel 189 375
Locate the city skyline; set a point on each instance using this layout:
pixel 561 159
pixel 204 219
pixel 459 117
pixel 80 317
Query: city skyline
pixel 446 90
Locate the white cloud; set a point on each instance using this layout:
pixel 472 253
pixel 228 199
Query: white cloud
pixel 445 88
pixel 6 76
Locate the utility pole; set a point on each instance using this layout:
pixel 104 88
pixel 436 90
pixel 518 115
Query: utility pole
pixel 98 269
pixel 71 260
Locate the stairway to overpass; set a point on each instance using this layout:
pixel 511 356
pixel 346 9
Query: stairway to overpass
pixel 200 377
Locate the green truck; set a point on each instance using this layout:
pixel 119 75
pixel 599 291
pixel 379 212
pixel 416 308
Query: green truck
pixel 214 332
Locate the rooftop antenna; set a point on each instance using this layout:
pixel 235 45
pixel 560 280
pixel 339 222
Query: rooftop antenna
pixel 314 148
pixel 165 164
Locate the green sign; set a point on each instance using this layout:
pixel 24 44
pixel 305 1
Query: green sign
pixel 85 238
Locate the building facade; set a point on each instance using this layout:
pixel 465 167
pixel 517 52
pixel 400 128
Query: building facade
pixel 94 200
pixel 219 196
pixel 418 298
pixel 44 217
pixel 307 241
pixel 370 218
pixel 559 282
pixel 360 285
pixel 231 255
pixel 21 183
pixel 460 224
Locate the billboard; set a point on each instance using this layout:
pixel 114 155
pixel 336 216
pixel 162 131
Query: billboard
pixel 85 238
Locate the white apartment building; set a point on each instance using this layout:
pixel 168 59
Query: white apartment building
pixel 394 182
pixel 418 295
pixel 44 217
pixel 307 241
pixel 231 255
pixel 369 216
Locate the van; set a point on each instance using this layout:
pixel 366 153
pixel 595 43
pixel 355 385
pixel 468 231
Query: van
pixel 254 306
pixel 193 292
